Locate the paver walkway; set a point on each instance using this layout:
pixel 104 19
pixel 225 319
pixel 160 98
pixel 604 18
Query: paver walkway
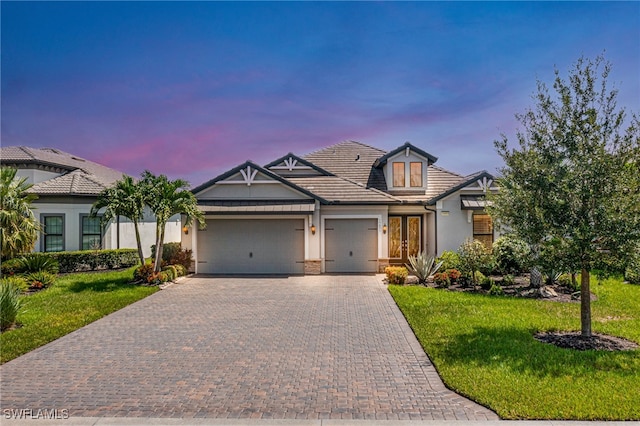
pixel 314 347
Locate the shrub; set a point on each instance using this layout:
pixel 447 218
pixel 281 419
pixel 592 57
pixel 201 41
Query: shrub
pixel 38 262
pixel 10 267
pixel 396 274
pixel 182 257
pixel 143 272
pixel 441 279
pixel 450 260
pixel 453 274
pixel 9 304
pixel 508 280
pixel 475 256
pixel 511 255
pixel 423 266
pixel 632 271
pixel 16 281
pixel 40 279
pixel 496 290
pixel 485 282
pixel 171 272
pixel 180 270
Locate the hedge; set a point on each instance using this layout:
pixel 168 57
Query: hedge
pixel 86 260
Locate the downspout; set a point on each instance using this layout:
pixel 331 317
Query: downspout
pixel 118 231
pixel 435 225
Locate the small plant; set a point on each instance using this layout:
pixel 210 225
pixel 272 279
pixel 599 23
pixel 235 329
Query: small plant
pixel 508 280
pixel 180 270
pixel 441 279
pixel 40 279
pixel 632 271
pixel 9 304
pixel 396 274
pixel 171 272
pixel 454 275
pixel 37 263
pixel 10 267
pixel 496 290
pixel 474 256
pixel 16 281
pixel 143 272
pixel 450 260
pixel 423 266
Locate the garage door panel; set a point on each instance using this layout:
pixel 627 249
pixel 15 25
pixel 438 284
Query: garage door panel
pixel 351 245
pixel 261 246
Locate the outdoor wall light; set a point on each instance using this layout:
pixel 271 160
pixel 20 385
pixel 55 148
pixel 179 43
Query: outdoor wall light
pixel 384 228
pixel 185 230
pixel 313 229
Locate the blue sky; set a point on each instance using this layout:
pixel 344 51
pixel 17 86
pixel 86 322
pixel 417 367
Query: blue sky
pixel 193 89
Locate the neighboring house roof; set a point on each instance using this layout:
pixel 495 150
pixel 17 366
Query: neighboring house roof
pixel 78 176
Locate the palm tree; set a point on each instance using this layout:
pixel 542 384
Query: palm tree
pixel 167 198
pixel 19 227
pixel 124 198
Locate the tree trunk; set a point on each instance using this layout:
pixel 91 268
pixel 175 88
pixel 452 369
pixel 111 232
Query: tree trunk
pixel 138 242
pixel 585 302
pixel 159 248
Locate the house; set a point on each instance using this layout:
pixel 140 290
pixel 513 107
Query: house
pixel 67 186
pixel 347 208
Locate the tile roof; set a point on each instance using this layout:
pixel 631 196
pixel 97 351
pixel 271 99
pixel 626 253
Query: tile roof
pixel 336 189
pixel 352 160
pixel 77 182
pixel 79 176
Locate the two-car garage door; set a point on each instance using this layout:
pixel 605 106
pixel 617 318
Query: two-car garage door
pixel 276 246
pixel 251 246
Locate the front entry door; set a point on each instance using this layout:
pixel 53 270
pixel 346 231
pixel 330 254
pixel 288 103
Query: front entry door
pixel 405 235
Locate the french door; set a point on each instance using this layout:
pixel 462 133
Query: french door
pixel 405 238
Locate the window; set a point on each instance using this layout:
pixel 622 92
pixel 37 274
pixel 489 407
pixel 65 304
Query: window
pixel 91 232
pixel 416 174
pixel 53 239
pixel 398 174
pixel 483 229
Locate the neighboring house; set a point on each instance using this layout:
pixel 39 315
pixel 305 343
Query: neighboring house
pixel 67 186
pixel 343 209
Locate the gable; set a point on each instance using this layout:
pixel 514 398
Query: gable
pixel 250 182
pixel 291 165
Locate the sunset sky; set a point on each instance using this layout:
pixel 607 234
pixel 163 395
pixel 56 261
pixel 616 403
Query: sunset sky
pixel 193 89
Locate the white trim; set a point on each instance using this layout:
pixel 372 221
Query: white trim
pixel 241 182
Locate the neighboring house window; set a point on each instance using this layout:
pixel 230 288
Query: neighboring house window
pixel 398 174
pixel 91 232
pixel 416 174
pixel 53 239
pixel 483 229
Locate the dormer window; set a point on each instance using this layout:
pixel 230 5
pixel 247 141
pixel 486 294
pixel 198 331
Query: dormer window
pixel 415 179
pixel 398 175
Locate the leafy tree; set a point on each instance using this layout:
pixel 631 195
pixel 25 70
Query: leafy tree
pixel 167 198
pixel 574 180
pixel 474 255
pixel 124 198
pixel 19 227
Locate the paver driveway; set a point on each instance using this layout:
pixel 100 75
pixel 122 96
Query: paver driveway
pixel 314 347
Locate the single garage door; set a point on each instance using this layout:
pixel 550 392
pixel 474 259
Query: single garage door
pixel 256 246
pixel 351 245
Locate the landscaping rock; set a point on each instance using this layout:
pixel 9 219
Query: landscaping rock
pixel 411 279
pixel 547 292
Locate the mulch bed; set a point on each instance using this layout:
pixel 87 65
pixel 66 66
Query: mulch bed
pixel 596 342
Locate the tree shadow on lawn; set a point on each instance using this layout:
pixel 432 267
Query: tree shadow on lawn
pixel 99 283
pixel 519 351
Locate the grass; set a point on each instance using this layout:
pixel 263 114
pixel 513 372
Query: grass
pixel 483 348
pixel 74 301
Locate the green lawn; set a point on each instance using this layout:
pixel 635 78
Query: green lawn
pixel 483 347
pixel 73 302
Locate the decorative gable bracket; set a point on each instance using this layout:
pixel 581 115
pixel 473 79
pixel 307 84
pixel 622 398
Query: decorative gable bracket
pixel 484 183
pixel 249 175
